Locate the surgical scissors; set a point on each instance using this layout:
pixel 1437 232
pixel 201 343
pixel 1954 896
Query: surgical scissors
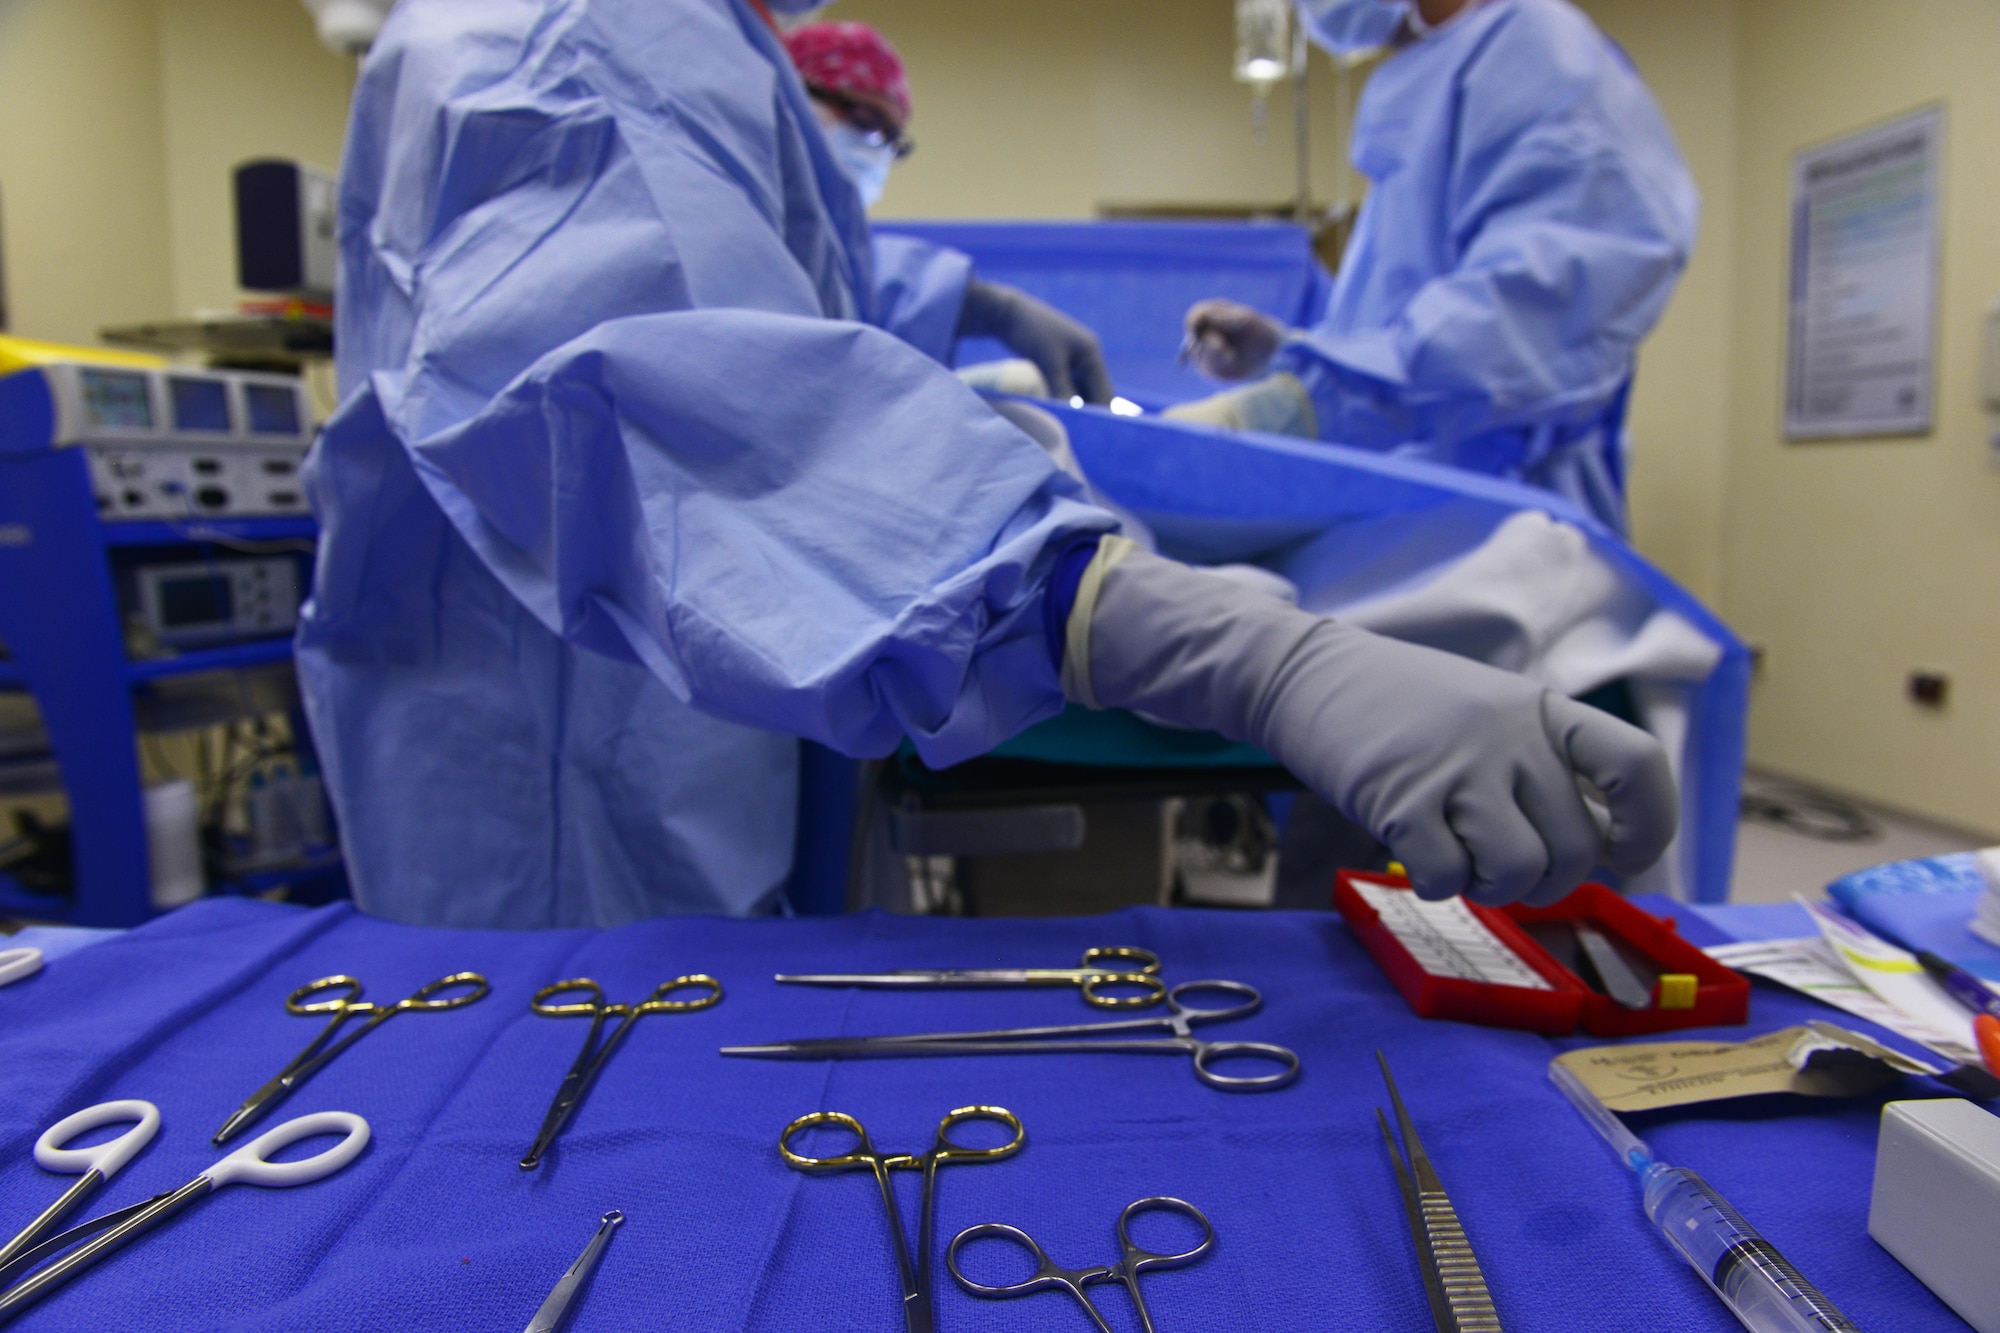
pixel 1074 1038
pixel 915 1278
pixel 15 964
pixel 1099 970
pixel 95 1164
pixel 1133 1261
pixel 591 1061
pixel 318 1054
pixel 248 1165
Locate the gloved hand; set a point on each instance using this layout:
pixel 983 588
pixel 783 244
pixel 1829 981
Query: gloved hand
pixel 1065 351
pixel 1228 340
pixel 1469 773
pixel 1278 405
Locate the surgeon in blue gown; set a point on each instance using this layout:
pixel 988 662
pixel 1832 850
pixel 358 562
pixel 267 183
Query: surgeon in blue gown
pixel 1528 216
pixel 638 476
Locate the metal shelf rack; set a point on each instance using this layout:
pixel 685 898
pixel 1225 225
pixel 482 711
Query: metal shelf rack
pixel 61 624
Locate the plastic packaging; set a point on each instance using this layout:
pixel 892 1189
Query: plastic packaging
pixel 173 844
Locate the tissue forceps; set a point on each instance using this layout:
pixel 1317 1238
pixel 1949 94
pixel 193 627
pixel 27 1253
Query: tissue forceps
pixel 1100 968
pixel 915 1277
pixel 318 1054
pixel 1460 1301
pixel 1118 1038
pixel 591 1060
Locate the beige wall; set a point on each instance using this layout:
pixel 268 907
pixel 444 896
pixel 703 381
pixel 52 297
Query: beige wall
pixel 1679 424
pixel 1852 563
pixel 82 172
pixel 123 119
pixel 1047 108
pixel 238 79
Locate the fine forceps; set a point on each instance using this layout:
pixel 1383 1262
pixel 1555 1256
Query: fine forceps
pixel 95 1164
pixel 1460 1302
pixel 591 1061
pixel 1073 1038
pixel 555 1310
pixel 915 1278
pixel 1048 1277
pixel 318 1054
pixel 1100 968
pixel 248 1165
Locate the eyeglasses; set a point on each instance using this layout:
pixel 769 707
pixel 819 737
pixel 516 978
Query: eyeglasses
pixel 873 123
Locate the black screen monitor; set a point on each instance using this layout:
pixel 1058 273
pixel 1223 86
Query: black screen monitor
pixel 274 410
pixel 200 404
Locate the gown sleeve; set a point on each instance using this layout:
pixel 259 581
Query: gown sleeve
pixel 1569 226
pixel 603 347
pixel 920 292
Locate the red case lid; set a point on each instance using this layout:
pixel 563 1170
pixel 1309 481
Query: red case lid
pixel 1721 996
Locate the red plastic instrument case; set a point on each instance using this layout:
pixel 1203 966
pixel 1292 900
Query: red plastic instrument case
pixel 1721 996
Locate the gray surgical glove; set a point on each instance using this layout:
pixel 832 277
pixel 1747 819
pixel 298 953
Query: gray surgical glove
pixel 1228 340
pixel 1468 773
pixel 1064 351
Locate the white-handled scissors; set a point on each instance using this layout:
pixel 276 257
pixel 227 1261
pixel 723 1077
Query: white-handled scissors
pixel 248 1165
pixel 18 963
pixel 95 1164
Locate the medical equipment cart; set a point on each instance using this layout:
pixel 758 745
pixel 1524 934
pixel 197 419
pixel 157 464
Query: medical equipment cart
pixel 150 506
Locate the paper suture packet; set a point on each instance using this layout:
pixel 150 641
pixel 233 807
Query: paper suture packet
pixel 1817 1060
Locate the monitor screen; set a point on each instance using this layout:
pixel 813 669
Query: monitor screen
pixel 197 599
pixel 200 404
pixel 117 399
pixel 274 409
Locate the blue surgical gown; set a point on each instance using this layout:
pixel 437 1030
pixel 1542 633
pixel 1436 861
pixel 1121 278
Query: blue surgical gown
pixel 629 487
pixel 1528 215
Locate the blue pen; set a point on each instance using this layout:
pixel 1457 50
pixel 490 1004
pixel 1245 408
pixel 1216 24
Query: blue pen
pixel 1960 984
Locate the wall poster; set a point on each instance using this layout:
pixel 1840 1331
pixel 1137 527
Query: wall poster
pixel 1862 347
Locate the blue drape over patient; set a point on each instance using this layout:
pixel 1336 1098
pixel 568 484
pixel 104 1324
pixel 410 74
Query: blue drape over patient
pixel 1528 215
pixel 625 493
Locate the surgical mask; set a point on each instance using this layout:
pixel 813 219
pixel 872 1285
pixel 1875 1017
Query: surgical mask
pixel 1345 27
pixel 865 159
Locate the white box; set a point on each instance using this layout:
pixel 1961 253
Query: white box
pixel 1936 1205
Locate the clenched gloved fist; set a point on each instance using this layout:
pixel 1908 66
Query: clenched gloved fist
pixel 1228 340
pixel 1470 774
pixel 1064 351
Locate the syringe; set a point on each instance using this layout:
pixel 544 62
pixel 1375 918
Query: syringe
pixel 1757 1284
